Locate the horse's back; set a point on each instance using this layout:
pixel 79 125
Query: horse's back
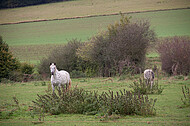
pixel 148 73
pixel 65 75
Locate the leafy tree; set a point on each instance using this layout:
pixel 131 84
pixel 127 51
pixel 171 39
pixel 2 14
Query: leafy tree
pixel 122 46
pixel 7 62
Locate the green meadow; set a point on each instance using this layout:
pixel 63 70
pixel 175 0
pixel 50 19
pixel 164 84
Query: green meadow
pixel 46 35
pixel 165 23
pixel 168 110
pixel 30 42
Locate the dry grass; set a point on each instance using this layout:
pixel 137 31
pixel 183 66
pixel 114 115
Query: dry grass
pixel 84 8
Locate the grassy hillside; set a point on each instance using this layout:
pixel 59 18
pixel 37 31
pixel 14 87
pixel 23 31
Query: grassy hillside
pixel 165 23
pixel 20 37
pixel 84 8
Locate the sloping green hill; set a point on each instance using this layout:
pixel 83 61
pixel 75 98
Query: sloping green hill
pixel 21 36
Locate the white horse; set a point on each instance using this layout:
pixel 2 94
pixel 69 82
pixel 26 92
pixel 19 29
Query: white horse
pixel 59 78
pixel 149 76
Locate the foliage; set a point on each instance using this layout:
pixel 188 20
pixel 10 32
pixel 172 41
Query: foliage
pixel 77 74
pixel 36 77
pixel 22 3
pixel 101 56
pixel 130 39
pixel 144 87
pixel 16 76
pixel 175 55
pixel 80 101
pixel 7 62
pixel 127 103
pixel 24 73
pixel 74 101
pixel 9 113
pixel 186 94
pixel 10 67
pixel 66 58
pixel 27 68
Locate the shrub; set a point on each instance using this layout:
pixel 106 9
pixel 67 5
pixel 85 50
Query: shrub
pixel 36 76
pixel 74 101
pixel 65 57
pixel 127 103
pixel 16 76
pixel 77 74
pixel 90 102
pixel 8 63
pixel 123 45
pixel 27 68
pixel 175 55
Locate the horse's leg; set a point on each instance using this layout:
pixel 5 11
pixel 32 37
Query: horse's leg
pixel 63 87
pixel 69 83
pixel 53 88
pixel 152 81
pixel 66 86
pixel 147 82
pixel 59 86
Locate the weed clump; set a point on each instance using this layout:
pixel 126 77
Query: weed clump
pixel 126 103
pixel 76 101
pixel 186 94
pixel 80 101
pixel 144 87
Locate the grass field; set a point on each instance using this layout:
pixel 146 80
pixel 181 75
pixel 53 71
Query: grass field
pixel 20 37
pixel 85 7
pixel 165 23
pixel 167 106
pixel 31 42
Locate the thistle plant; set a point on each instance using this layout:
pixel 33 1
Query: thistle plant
pixel 186 94
pixel 145 87
pixel 126 103
pixel 80 101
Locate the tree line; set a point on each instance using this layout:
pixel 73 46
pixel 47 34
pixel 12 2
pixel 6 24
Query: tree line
pixel 23 3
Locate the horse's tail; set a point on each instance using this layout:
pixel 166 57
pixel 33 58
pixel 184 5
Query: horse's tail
pixel 153 75
pixel 69 83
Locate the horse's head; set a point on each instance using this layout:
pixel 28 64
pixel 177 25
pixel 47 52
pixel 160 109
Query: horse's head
pixel 53 68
